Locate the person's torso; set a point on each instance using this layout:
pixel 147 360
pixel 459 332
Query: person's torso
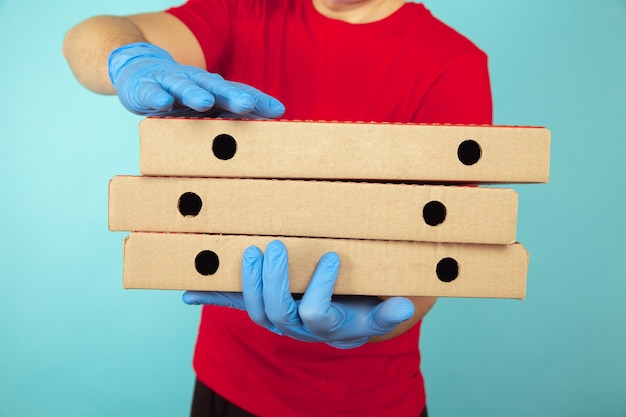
pixel 395 70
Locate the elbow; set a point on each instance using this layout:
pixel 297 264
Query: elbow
pixel 85 50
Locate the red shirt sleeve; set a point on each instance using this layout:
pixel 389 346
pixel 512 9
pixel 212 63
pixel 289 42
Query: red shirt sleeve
pixel 212 20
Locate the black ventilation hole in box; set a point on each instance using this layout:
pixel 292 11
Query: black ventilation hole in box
pixel 434 213
pixel 207 262
pixel 189 204
pixel 224 146
pixel 469 152
pixel 447 269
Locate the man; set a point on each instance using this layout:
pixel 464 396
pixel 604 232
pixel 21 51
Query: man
pixel 347 60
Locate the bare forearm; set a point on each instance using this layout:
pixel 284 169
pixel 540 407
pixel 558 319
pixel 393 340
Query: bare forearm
pixel 87 47
pixel 422 307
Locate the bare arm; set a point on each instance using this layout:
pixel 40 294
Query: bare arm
pixel 87 45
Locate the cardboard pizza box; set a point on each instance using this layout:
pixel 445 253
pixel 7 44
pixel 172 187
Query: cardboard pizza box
pixel 178 261
pixel 207 147
pixel 357 210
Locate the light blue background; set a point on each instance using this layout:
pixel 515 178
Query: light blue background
pixel 73 343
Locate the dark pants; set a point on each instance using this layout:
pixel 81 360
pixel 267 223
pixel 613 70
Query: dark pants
pixel 207 403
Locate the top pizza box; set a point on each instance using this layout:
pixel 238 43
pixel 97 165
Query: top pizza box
pixel 205 147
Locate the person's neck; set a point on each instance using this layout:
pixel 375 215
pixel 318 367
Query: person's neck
pixel 365 11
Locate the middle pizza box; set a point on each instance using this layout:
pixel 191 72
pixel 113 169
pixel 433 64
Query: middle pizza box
pixel 313 208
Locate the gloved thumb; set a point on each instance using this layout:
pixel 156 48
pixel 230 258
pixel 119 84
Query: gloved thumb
pixel 391 312
pixel 224 299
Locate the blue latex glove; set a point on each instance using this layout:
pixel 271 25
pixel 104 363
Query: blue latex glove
pixel 343 321
pixel 149 82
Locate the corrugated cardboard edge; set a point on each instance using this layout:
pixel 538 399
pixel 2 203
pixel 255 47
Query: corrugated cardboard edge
pixel 162 153
pixel 314 208
pixel 166 261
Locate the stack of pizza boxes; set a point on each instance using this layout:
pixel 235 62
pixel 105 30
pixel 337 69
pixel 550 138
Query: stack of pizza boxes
pixel 402 204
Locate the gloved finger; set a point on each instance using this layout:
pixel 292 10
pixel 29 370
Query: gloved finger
pixel 147 98
pixel 252 281
pixel 388 314
pixel 265 106
pixel 315 309
pixel 376 318
pixel 349 344
pixel 280 307
pixel 247 116
pixel 224 299
pixel 186 92
pixel 228 95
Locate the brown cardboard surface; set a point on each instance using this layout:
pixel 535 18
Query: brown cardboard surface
pixel 368 267
pixel 313 209
pixel 334 150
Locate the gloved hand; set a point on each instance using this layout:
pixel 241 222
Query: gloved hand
pixel 343 322
pixel 149 82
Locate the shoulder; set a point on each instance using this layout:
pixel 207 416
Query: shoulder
pixel 205 7
pixel 255 8
pixel 443 38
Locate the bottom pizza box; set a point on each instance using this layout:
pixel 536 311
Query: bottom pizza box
pixel 177 261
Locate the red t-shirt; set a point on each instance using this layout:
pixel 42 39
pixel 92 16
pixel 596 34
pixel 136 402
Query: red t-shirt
pixel 409 67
